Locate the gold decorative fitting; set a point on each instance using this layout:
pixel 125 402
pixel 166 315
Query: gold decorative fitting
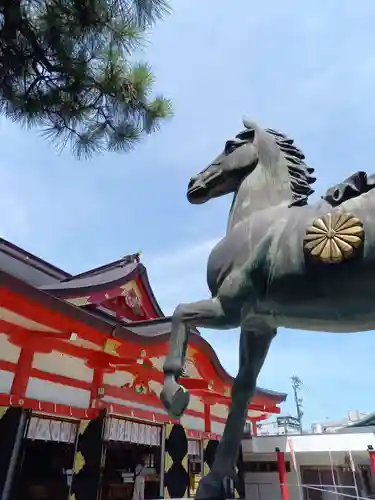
pixel 79 462
pixel 110 346
pixel 83 426
pixel 3 410
pixel 140 389
pixel 333 238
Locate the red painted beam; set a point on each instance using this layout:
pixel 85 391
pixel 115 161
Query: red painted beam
pixel 38 313
pixel 47 407
pixel 194 384
pixel 265 408
pixel 60 379
pixel 8 366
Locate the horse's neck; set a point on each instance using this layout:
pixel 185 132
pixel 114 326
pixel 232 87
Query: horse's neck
pixel 261 189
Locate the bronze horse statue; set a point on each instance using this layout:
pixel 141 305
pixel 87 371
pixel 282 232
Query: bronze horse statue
pixel 281 263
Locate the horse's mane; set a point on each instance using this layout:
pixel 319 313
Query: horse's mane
pixel 300 174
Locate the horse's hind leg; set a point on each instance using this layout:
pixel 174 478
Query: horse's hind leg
pixel 254 345
pixel 204 313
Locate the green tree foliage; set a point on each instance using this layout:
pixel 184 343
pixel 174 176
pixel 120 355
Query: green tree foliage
pixel 65 66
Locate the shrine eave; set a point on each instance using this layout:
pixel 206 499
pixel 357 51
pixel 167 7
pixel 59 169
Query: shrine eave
pixel 108 277
pixel 41 274
pixel 74 286
pixel 27 266
pixel 144 332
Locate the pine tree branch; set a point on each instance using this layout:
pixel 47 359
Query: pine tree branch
pixel 73 77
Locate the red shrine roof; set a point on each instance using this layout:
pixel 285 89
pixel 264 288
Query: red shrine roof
pixel 115 299
pixel 108 278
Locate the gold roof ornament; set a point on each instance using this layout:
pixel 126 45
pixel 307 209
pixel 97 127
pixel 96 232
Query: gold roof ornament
pixel 110 346
pixel 333 238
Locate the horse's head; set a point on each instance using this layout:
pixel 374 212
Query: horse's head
pixel 238 159
pixel 282 168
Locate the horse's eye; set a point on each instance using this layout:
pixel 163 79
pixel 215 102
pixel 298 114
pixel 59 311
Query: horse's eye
pixel 230 147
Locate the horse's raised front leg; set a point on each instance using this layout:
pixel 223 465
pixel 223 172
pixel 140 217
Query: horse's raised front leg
pixel 204 313
pixel 254 347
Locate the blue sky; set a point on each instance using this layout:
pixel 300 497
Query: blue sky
pixel 305 68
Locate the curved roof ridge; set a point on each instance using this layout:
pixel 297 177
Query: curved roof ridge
pixel 124 261
pixel 111 276
pixel 23 257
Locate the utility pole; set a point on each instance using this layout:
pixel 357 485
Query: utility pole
pixel 296 384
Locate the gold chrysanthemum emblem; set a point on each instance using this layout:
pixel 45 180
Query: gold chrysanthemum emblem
pixel 333 238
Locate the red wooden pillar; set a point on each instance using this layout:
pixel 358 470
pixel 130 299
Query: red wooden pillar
pixel 97 382
pixel 207 417
pixel 371 452
pixel 282 474
pixel 254 428
pixel 22 373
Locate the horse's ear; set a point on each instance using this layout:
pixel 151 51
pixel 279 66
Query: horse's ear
pixel 248 124
pixel 246 135
pixel 249 133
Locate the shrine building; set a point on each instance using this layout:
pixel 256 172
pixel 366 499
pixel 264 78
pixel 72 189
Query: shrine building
pixel 81 362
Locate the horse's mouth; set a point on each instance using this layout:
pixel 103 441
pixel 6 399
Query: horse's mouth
pixel 200 191
pixel 198 194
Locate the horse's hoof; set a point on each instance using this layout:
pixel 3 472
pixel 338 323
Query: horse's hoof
pixel 175 398
pixel 210 489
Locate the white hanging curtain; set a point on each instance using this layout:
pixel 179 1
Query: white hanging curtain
pixel 46 429
pixel 132 432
